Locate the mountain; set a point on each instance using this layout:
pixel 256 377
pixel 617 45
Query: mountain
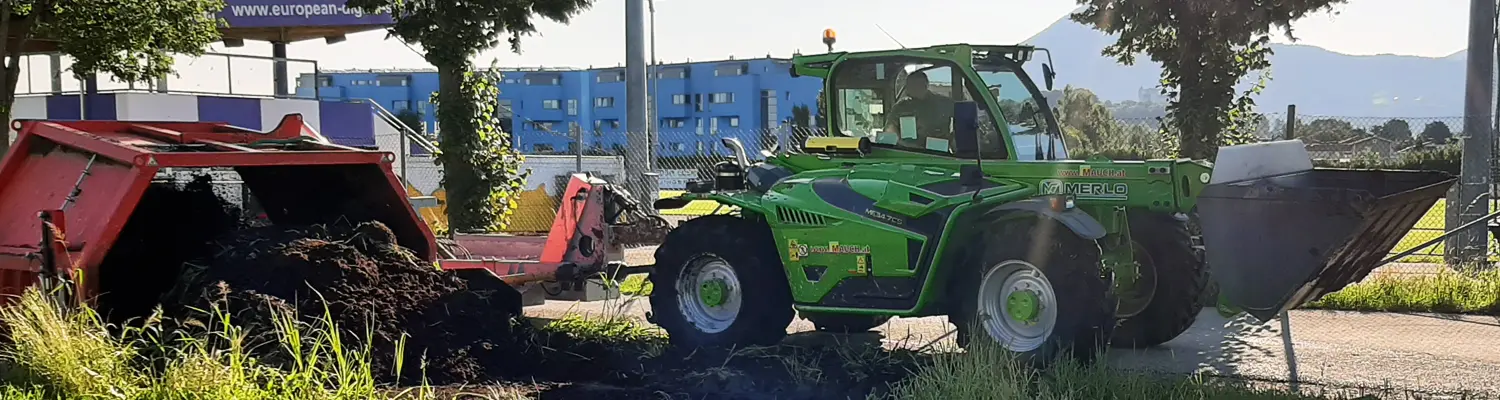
pixel 1320 82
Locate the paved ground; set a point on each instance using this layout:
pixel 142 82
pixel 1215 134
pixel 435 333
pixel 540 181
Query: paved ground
pixel 1427 353
pixel 1423 352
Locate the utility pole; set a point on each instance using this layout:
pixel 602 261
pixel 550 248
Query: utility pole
pixel 1472 200
pixel 639 178
pixel 655 118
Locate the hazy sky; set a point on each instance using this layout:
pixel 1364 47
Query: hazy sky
pixel 718 29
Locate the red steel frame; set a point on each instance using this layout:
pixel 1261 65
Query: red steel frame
pixel 120 165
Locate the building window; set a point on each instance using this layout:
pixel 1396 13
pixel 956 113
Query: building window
pixel 604 102
pixel 679 99
pixel 391 80
pixel 722 98
pixel 678 146
pixel 734 122
pixel 735 69
pixel 768 103
pixel 399 105
pixel 545 126
pixel 549 104
pixel 572 107
pixel 673 123
pixel 673 73
pixel 540 79
pixel 713 126
pixel 603 123
pixel 698 103
pixel 610 76
pixel 505 110
pixel 325 81
pixel 541 148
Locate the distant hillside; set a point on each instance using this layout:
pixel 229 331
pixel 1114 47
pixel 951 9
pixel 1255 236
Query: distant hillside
pixel 1319 81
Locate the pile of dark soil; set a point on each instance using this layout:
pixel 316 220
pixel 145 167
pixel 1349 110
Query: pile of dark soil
pixel 373 289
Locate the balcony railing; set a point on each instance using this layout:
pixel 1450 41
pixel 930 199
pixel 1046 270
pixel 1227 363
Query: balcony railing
pixel 218 74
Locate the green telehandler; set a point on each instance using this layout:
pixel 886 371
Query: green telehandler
pixel 942 188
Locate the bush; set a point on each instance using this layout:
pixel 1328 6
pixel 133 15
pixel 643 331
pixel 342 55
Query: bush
pixel 1446 158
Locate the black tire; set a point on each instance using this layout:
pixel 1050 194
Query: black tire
pixel 1180 279
pixel 846 323
pixel 746 246
pixel 1085 301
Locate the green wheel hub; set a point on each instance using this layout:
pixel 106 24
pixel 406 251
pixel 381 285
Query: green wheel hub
pixel 713 292
pixel 1022 306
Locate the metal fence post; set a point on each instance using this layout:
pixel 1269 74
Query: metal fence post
pixel 1291 122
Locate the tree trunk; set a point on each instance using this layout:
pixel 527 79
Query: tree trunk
pixel 455 120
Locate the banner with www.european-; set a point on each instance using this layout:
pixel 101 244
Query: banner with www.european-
pixel 296 13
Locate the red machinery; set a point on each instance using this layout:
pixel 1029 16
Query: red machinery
pixel 68 188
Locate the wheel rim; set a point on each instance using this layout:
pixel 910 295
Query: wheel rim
pixel 708 294
pixel 1017 305
pixel 1135 299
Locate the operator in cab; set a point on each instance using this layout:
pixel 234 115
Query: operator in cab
pixel 933 113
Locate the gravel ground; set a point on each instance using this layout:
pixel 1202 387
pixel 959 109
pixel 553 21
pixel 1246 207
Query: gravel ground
pixel 1418 352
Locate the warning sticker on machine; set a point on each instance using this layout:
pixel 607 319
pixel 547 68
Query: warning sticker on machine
pixel 1086 190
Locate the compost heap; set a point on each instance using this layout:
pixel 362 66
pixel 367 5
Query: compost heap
pixel 462 329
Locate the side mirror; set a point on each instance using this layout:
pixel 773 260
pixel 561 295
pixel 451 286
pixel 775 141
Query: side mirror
pixel 966 128
pixel 1048 75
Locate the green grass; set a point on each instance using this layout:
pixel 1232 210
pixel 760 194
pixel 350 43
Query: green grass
pixel 635 285
pixel 1446 292
pixel 60 353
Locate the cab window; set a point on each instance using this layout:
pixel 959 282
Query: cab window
pixel 907 103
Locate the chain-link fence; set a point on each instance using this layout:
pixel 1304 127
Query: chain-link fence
pixel 1420 324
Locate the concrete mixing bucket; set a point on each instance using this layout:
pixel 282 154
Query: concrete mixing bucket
pixel 1279 233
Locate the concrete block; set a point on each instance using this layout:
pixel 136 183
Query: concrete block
pixel 590 290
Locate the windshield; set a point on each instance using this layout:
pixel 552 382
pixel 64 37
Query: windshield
pixel 1024 114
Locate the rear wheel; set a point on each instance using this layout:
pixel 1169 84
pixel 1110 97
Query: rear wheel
pixel 846 323
pixel 1034 288
pixel 719 281
pixel 1165 300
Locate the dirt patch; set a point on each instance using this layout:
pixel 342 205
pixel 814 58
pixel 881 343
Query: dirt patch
pixel 377 293
pixel 806 366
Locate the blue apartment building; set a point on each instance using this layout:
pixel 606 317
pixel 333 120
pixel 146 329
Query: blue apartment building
pixel 696 103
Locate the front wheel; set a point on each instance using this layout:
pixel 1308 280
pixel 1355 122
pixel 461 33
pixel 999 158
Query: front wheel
pixel 719 282
pixel 1165 298
pixel 1034 288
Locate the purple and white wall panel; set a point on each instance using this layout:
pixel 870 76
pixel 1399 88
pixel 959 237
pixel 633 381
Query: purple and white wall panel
pixel 344 123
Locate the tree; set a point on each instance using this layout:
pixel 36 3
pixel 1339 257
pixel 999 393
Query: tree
pixel 801 116
pixel 132 41
pixel 1327 130
pixel 1205 47
pixel 1083 118
pixel 481 171
pixel 1437 132
pixel 412 120
pixel 1395 130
